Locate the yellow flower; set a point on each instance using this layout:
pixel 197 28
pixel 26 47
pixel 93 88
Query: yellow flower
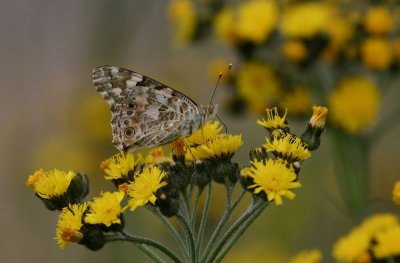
pixel 51 184
pixel 376 53
pixel 378 21
pixel 306 19
pixel 142 190
pixel 207 132
pixel 319 117
pixel 222 146
pixel 119 166
pixel 307 256
pixel 183 15
pixel 354 104
pixel 35 178
pixel 69 225
pixel 274 121
pixel 288 147
pixel 299 100
pixel 224 26
pixel 106 209
pixel 258 85
pixel 387 243
pixel 396 193
pixel 274 178
pixel 352 247
pixel 256 20
pixel 294 50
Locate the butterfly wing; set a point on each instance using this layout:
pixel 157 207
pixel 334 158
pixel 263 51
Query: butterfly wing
pixel 144 111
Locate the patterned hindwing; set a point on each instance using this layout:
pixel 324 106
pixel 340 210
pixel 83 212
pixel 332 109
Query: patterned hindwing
pixel 144 111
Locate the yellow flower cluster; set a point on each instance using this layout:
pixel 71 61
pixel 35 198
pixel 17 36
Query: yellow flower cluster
pixel 377 237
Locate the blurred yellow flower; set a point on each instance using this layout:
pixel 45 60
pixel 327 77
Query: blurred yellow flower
pixel 106 209
pixel 274 177
pixel 225 27
pixel 157 156
pixel 355 246
pixel 354 104
pixel 252 21
pixel 69 225
pixel 258 85
pixel 352 247
pixel 378 20
pixel 35 178
pixel 256 20
pixel 396 193
pixel 387 243
pixel 298 100
pixel 183 15
pixel 307 256
pixel 376 53
pixel 294 50
pixel 306 19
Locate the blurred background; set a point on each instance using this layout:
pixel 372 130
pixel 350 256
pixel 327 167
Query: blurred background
pixel 51 117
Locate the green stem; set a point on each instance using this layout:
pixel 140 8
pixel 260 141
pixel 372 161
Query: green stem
pixel 123 236
pixel 351 156
pixel 229 209
pixel 171 228
pixel 232 230
pixel 204 218
pixel 239 233
pixel 189 237
pixel 195 208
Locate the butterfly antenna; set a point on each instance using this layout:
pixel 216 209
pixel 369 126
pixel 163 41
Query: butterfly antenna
pixel 220 78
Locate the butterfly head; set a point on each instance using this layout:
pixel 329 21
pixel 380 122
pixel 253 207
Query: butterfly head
pixel 208 111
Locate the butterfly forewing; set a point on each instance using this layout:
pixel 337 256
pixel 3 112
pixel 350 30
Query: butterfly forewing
pixel 144 111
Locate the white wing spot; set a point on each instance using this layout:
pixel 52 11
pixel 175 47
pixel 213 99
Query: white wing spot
pixel 130 83
pixel 114 70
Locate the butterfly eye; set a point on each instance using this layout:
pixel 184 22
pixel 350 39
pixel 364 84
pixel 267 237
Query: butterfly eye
pixel 129 132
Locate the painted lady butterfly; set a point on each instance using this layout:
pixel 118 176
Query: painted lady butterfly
pixel 146 112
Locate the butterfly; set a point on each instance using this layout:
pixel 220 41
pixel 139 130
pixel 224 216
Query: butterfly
pixel 145 112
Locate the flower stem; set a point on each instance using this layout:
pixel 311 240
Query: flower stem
pixel 195 208
pixel 232 230
pixel 239 233
pixel 189 237
pixel 171 228
pixel 224 219
pixel 204 217
pixel 123 236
